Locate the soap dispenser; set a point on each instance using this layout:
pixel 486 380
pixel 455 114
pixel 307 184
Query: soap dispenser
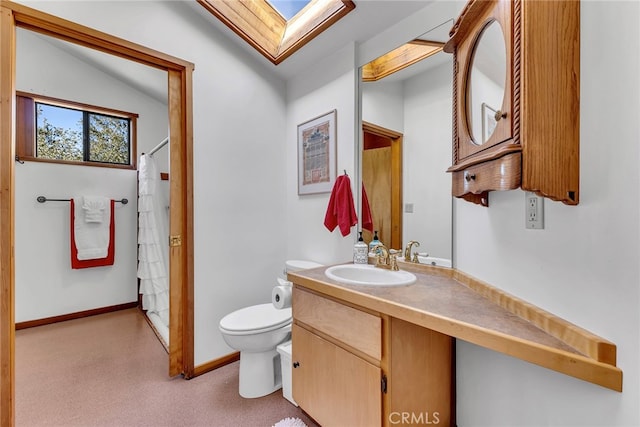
pixel 374 242
pixel 360 255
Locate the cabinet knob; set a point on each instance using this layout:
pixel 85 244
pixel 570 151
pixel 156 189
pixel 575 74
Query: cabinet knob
pixel 499 115
pixel 296 364
pixel 469 176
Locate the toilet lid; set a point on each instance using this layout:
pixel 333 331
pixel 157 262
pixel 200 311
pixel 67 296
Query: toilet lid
pixel 300 264
pixel 262 317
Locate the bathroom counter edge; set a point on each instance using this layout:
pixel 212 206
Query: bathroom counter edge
pixel 454 303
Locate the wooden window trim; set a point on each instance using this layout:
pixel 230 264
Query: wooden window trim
pixel 262 26
pixel 26 129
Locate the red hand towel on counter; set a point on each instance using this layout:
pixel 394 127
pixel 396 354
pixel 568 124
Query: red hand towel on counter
pixel 341 210
pixel 367 219
pixel 109 260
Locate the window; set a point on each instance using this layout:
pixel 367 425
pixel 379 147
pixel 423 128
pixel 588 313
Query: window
pixel 288 8
pixel 61 131
pixel 274 29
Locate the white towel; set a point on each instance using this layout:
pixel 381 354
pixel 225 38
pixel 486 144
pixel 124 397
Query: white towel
pixel 92 238
pixel 94 208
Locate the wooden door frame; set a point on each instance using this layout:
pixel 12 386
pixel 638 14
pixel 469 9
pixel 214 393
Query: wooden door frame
pixel 396 177
pixel 180 101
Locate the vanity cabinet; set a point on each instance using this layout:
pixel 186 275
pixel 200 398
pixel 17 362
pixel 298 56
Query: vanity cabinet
pixel 332 385
pixel 336 355
pixel 516 98
pixel 357 367
pixel 421 376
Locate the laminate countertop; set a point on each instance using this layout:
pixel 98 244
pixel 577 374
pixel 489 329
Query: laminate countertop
pixel 453 303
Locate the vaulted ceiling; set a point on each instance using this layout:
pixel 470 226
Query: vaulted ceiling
pixel 366 20
pixel 369 18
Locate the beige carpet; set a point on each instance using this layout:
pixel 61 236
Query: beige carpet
pixel 111 370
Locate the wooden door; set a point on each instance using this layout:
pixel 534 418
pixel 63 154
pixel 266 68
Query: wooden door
pixel 382 180
pixel 376 177
pixel 333 386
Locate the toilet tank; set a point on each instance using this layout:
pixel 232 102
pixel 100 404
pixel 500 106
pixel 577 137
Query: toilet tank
pixel 299 264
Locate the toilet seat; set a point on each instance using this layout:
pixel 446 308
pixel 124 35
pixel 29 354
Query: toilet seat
pixel 255 319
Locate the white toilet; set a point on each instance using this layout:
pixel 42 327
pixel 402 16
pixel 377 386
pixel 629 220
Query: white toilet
pixel 256 331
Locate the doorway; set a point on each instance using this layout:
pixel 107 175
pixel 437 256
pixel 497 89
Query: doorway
pixel 181 204
pixel 382 180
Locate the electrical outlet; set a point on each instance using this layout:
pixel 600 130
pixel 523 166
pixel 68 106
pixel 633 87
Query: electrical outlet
pixel 534 211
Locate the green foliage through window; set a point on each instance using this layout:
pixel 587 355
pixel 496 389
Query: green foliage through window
pixel 74 135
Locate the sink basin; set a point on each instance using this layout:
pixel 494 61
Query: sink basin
pixel 357 274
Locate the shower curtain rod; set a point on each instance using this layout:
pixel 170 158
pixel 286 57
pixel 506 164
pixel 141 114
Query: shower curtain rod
pixel 159 146
pixel 43 199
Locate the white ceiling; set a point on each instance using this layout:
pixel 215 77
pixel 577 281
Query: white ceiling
pixel 369 18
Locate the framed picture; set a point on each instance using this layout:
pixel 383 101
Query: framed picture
pixel 488 122
pixel 317 154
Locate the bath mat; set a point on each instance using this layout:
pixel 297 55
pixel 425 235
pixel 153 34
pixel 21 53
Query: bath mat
pixel 290 422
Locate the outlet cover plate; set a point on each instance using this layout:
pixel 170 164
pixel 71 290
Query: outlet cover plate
pixel 534 211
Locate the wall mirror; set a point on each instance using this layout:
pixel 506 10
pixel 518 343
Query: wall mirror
pixel 406 148
pixel 516 122
pixel 486 83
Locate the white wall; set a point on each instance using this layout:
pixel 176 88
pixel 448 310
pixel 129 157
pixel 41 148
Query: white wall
pixel 383 104
pixel 583 266
pixel 427 155
pixel 329 85
pixel 239 154
pixel 483 90
pixel 45 283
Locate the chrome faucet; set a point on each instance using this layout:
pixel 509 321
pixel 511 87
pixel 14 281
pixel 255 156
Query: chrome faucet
pixel 407 252
pixel 386 258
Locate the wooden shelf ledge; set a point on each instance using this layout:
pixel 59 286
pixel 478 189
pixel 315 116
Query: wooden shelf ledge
pixel 453 303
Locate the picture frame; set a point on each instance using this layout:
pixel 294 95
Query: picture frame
pixel 488 122
pixel 317 154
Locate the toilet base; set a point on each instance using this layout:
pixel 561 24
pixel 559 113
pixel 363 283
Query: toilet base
pixel 260 373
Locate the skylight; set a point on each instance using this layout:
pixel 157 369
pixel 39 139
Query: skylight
pixel 269 30
pixel 399 58
pixel 289 8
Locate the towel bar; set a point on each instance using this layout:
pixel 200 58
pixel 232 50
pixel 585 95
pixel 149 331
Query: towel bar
pixel 43 199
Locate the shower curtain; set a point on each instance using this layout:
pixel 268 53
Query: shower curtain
pixel 153 249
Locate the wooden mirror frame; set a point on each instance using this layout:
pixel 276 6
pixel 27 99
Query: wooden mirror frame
pixel 508 140
pixel 12 15
pixel 536 144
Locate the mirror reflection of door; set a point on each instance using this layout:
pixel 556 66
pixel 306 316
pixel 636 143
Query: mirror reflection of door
pixel 382 180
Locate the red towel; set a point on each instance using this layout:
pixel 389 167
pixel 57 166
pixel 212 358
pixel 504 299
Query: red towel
pixel 75 262
pixel 341 210
pixel 367 219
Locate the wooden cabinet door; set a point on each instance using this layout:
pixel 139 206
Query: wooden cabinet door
pixel 540 112
pixel 335 387
pixel 421 377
